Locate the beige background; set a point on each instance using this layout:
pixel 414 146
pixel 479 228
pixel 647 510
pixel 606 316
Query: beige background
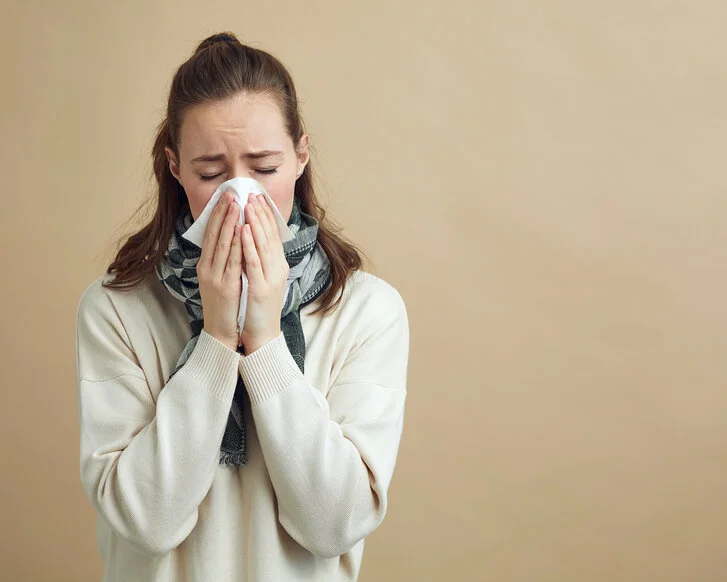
pixel 544 182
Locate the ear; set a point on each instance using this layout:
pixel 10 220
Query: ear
pixel 303 155
pixel 173 163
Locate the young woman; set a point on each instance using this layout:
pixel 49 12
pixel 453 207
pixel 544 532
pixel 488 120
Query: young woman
pixel 261 453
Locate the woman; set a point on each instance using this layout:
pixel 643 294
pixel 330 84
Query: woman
pixel 258 454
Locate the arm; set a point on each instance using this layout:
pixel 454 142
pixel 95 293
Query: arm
pixel 331 459
pixel 146 467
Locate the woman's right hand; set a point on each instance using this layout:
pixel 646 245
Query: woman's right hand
pixel 219 272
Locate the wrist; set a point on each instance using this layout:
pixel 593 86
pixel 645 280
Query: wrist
pixel 230 343
pixel 256 343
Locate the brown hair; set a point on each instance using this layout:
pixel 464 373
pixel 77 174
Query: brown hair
pixel 219 68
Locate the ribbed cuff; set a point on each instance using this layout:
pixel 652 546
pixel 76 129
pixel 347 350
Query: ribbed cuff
pixel 214 365
pixel 269 370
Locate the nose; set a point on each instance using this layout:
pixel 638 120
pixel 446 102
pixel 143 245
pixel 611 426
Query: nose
pixel 240 170
pixel 244 173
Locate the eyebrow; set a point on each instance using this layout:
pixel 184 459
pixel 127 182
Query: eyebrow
pixel 253 155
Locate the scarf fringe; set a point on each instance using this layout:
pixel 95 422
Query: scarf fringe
pixel 237 458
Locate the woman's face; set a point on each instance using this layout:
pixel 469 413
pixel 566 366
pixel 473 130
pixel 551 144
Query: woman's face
pixel 241 136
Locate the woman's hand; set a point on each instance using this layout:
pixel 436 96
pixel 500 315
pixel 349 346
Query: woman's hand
pixel 267 271
pixel 219 272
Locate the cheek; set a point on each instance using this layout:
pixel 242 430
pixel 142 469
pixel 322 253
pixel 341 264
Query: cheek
pixel 281 189
pixel 198 195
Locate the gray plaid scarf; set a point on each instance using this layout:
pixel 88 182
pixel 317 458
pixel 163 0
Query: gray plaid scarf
pixel 308 277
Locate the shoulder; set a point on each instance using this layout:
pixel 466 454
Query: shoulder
pixel 373 301
pixel 371 332
pixel 363 287
pixel 95 298
pixel 100 302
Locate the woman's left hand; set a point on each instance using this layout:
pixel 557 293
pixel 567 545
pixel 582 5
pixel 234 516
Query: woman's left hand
pixel 267 270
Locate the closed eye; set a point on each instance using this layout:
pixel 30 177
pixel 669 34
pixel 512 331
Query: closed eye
pixel 261 171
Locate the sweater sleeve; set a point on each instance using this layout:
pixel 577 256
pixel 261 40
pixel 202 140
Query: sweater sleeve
pixel 146 466
pixel 331 458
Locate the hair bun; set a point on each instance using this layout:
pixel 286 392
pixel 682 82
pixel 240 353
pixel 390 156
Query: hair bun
pixel 220 37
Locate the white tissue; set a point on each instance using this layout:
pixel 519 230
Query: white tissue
pixel 240 188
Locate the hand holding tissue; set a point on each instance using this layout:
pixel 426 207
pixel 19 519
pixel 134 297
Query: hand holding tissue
pixel 241 188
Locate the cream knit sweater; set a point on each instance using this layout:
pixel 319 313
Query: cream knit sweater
pixel 321 445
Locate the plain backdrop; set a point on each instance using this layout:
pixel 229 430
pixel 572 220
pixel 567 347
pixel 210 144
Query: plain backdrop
pixel 543 182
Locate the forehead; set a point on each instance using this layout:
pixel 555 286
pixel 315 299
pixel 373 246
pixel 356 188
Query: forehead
pixel 242 121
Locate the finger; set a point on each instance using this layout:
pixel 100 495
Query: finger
pixel 262 245
pixel 242 236
pixel 274 239
pixel 233 270
pixel 273 222
pixel 212 232
pixel 224 242
pixel 253 267
pixel 266 218
pixel 267 254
